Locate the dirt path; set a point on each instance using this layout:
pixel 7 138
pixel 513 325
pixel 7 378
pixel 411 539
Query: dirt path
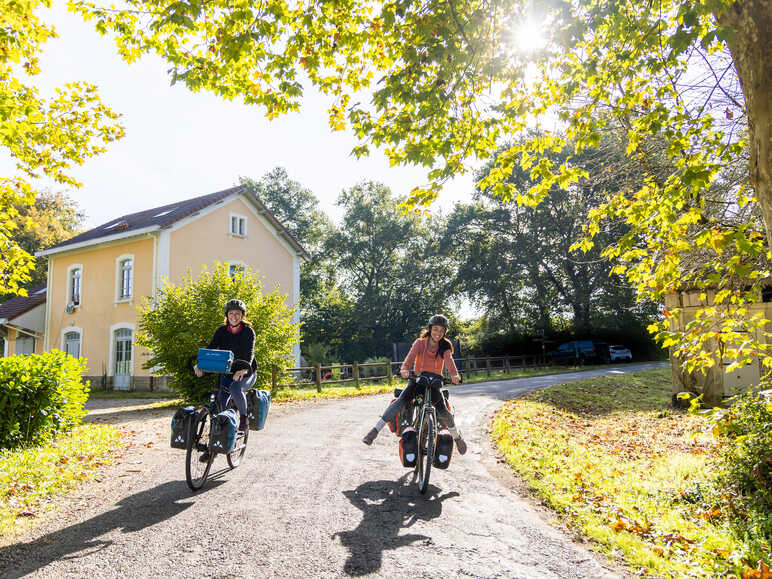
pixel 308 500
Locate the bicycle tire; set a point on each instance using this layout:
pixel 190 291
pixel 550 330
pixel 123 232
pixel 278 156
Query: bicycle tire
pixel 234 457
pixel 426 440
pixel 196 472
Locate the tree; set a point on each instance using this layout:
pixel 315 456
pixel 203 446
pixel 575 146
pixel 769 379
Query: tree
pixel 183 319
pixel 44 136
pixel 51 219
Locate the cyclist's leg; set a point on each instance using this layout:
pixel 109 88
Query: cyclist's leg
pixel 224 385
pixel 446 419
pixel 391 411
pixel 237 395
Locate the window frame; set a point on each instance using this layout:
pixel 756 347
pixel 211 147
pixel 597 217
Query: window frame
pixel 119 261
pixel 69 301
pixel 76 330
pixel 241 225
pixel 232 263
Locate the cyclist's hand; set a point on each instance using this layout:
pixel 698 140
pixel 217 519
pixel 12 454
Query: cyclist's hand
pixel 455 379
pixel 239 375
pixel 405 374
pixel 198 372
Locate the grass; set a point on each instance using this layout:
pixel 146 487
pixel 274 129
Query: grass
pixel 31 478
pixel 623 468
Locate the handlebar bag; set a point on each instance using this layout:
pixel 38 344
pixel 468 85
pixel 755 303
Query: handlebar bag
pixel 224 428
pixel 258 404
pixel 180 430
pixel 408 447
pixel 444 451
pixel 214 360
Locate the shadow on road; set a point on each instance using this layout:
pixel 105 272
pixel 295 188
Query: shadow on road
pixel 387 506
pixel 133 513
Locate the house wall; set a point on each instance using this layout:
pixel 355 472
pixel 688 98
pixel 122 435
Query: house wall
pixel 100 310
pixel 207 239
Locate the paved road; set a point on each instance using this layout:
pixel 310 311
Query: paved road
pixel 309 500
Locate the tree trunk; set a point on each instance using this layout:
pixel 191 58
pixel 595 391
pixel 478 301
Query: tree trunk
pixel 751 48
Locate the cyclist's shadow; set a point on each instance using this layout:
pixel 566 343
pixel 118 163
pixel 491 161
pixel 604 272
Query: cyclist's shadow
pixel 387 506
pixel 132 513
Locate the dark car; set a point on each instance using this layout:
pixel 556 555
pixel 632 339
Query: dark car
pixel 580 352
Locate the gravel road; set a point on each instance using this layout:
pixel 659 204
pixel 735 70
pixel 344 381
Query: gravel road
pixel 309 500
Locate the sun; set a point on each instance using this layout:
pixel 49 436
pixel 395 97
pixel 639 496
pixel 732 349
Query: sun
pixel 529 36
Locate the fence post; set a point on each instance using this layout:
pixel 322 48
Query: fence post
pixel 356 374
pixel 318 377
pixel 488 365
pixel 506 365
pixel 274 380
pixel 388 371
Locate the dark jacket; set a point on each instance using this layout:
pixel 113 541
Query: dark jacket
pixel 241 344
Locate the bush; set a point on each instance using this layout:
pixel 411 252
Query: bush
pixel 41 395
pixel 371 371
pixel 184 318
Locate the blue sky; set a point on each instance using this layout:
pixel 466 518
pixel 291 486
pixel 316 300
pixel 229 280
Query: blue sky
pixel 181 144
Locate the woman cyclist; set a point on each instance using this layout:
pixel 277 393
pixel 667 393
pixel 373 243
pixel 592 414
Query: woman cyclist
pixel 428 355
pixel 237 336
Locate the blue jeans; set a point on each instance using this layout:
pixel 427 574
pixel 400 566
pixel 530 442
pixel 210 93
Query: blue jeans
pixel 236 390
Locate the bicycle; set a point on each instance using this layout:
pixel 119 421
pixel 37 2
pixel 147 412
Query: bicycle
pixel 199 430
pixel 421 414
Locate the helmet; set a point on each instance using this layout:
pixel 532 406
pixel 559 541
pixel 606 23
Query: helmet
pixel 438 320
pixel 235 305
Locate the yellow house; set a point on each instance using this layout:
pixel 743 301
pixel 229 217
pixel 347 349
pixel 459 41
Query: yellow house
pixel 22 322
pixel 97 279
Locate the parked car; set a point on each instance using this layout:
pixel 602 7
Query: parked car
pixel 580 352
pixel 619 353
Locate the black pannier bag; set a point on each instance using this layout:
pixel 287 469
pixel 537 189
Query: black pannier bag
pixel 444 451
pixel 180 423
pixel 408 447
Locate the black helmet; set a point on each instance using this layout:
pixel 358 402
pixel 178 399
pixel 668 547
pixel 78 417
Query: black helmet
pixel 236 305
pixel 438 320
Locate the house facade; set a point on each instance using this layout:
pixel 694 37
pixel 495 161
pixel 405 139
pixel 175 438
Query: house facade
pixel 97 279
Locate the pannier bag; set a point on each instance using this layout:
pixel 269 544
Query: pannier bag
pixel 444 451
pixel 214 360
pixel 224 428
pixel 180 422
pixel 408 447
pixel 258 403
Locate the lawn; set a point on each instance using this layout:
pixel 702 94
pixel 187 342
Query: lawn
pixel 621 467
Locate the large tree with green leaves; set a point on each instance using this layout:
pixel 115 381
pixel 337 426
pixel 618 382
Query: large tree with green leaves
pixel 44 135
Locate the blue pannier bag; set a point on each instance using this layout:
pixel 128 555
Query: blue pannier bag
pixel 214 360
pixel 258 404
pixel 180 422
pixel 224 429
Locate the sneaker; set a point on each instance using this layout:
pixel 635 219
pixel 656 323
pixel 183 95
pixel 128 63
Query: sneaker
pixel 461 445
pixel 204 457
pixel 370 436
pixel 243 423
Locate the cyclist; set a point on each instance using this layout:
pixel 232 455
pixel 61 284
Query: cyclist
pixel 428 354
pixel 235 335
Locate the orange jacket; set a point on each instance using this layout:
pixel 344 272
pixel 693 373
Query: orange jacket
pixel 424 361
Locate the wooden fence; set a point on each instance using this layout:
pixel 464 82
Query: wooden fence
pixel 357 373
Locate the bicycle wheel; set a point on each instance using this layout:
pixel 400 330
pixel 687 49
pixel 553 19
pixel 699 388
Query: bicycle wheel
pixel 426 440
pixel 234 457
pixel 196 470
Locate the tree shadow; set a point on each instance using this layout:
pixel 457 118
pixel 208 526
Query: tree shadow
pixel 133 513
pixel 387 507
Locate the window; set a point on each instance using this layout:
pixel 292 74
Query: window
pixel 126 276
pixel 236 268
pixel 72 344
pixel 74 285
pixel 238 225
pixel 25 345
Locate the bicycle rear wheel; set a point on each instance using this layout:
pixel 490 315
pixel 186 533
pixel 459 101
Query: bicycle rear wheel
pixel 196 470
pixel 234 457
pixel 426 438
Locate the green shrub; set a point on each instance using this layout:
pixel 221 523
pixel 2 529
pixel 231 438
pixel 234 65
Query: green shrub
pixel 184 318
pixel 41 395
pixel 371 371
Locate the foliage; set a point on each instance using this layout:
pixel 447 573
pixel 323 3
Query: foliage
pixel 316 353
pixel 45 136
pixel 184 318
pixel 41 395
pixel 372 371
pixel 620 466
pixel 51 219
pixel 31 477
pixel 448 82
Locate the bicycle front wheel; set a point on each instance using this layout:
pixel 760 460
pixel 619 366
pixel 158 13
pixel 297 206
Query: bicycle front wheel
pixel 198 459
pixel 426 438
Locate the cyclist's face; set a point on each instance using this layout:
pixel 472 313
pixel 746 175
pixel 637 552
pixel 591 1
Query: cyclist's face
pixel 437 333
pixel 234 317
